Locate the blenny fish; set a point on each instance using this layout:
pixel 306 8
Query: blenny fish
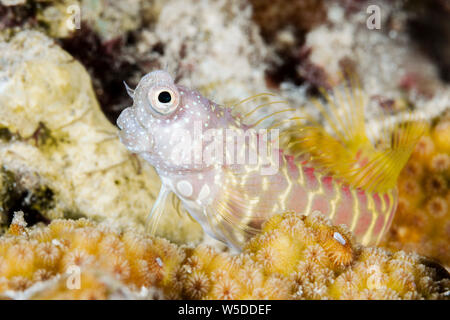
pixel 342 173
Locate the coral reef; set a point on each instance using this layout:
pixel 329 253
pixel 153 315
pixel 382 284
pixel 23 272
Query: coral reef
pixel 429 26
pixel 59 156
pixel 342 42
pixel 296 257
pixel 110 19
pixel 346 44
pixel 422 221
pixel 219 51
pixel 274 16
pixel 95 33
pixel 284 25
pixel 211 45
pixel 17 14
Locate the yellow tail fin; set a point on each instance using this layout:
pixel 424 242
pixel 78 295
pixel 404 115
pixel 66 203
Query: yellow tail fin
pixel 347 152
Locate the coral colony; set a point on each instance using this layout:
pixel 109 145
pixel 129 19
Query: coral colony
pixel 422 221
pixel 295 257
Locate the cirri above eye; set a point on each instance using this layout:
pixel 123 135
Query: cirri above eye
pixel 163 100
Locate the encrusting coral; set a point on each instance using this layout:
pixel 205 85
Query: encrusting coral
pixel 295 257
pixel 422 221
pixel 30 255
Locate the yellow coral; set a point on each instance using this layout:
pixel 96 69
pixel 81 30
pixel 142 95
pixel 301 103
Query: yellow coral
pixel 40 253
pixel 422 220
pixel 296 257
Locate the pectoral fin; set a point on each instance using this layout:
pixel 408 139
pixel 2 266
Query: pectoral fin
pixel 157 210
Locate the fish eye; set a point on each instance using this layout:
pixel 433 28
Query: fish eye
pixel 163 100
pixel 164 97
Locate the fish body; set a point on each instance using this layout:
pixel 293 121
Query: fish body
pixel 186 137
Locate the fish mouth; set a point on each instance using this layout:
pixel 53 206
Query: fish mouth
pixel 133 134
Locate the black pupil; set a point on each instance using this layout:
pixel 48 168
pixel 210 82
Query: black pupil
pixel 164 97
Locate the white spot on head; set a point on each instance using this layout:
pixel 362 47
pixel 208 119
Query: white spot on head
pixel 184 188
pixel 339 238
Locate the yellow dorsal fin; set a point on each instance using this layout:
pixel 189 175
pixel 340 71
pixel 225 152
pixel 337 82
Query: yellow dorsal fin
pixel 347 152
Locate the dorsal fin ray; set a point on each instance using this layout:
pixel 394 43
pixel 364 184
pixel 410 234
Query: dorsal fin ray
pixel 345 150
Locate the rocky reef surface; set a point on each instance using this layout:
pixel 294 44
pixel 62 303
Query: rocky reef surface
pixel 59 155
pixel 65 175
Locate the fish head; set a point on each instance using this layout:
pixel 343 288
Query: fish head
pixel 166 122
